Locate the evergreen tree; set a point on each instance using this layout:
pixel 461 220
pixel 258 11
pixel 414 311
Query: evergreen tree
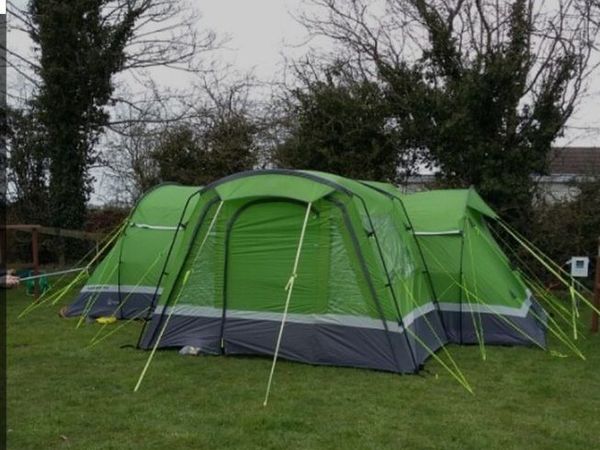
pixel 79 52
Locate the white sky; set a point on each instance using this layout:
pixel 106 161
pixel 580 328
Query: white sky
pixel 261 31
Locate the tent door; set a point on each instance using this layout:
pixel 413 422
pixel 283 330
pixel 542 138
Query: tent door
pixel 261 244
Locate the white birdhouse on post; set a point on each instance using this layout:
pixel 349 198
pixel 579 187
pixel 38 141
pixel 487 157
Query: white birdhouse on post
pixel 580 266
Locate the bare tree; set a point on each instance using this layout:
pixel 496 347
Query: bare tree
pixel 388 34
pixel 77 76
pixel 211 130
pixel 165 35
pixel 482 88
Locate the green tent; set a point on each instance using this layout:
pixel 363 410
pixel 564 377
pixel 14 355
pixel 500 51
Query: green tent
pixel 327 270
pixel 482 298
pixel 128 280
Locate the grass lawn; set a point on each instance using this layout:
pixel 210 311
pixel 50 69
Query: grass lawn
pixel 63 395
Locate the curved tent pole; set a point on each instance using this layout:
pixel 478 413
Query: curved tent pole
pixel 367 275
pixel 458 374
pixel 389 281
pixel 185 279
pixel 294 173
pixel 197 228
pixel 201 191
pixel 129 222
pixel 180 225
pixel 234 217
pixel 427 271
pixel 289 287
pixel 420 250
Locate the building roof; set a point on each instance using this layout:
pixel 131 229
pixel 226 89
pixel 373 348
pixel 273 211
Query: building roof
pixel 574 161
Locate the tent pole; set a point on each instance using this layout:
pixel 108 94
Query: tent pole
pixel 185 279
pixel 289 287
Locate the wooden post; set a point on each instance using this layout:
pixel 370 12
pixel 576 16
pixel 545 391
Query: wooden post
pixel 36 260
pixel 596 292
pixel 3 257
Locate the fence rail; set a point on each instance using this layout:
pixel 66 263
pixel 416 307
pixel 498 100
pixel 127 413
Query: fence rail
pixel 35 230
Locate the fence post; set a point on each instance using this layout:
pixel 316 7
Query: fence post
pixel 36 260
pixel 596 292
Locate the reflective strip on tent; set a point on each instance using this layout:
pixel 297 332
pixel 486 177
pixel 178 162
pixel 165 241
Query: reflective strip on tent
pixel 122 288
pixel 344 319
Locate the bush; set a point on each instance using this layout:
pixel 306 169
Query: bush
pixel 570 228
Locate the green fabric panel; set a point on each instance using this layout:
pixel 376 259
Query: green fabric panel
pixel 486 271
pixel 396 253
pixel 347 290
pixel 436 210
pixel 163 205
pixel 413 288
pixel 371 259
pixel 487 275
pixel 442 255
pixel 142 254
pixel 205 281
pixel 475 202
pixel 185 256
pixel 262 246
pixel 402 267
pixel 106 271
pixel 401 253
pixel 138 255
pixel 282 185
pixel 397 245
pixel 144 250
pixel 261 253
pixel 443 210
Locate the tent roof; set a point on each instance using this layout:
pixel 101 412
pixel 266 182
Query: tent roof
pixel 302 185
pixel 443 210
pixel 162 206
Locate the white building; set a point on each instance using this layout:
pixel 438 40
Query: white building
pixel 566 166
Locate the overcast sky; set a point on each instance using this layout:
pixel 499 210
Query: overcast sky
pixel 261 31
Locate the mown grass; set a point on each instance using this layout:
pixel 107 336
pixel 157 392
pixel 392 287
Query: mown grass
pixel 64 395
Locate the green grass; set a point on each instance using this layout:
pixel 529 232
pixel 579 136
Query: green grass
pixel 62 395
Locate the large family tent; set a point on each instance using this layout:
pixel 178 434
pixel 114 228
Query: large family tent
pixel 129 278
pixel 342 254
pixel 481 297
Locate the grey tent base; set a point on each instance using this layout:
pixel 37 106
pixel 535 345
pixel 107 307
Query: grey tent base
pixel 104 304
pixel 497 330
pixel 338 345
pixel 321 344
